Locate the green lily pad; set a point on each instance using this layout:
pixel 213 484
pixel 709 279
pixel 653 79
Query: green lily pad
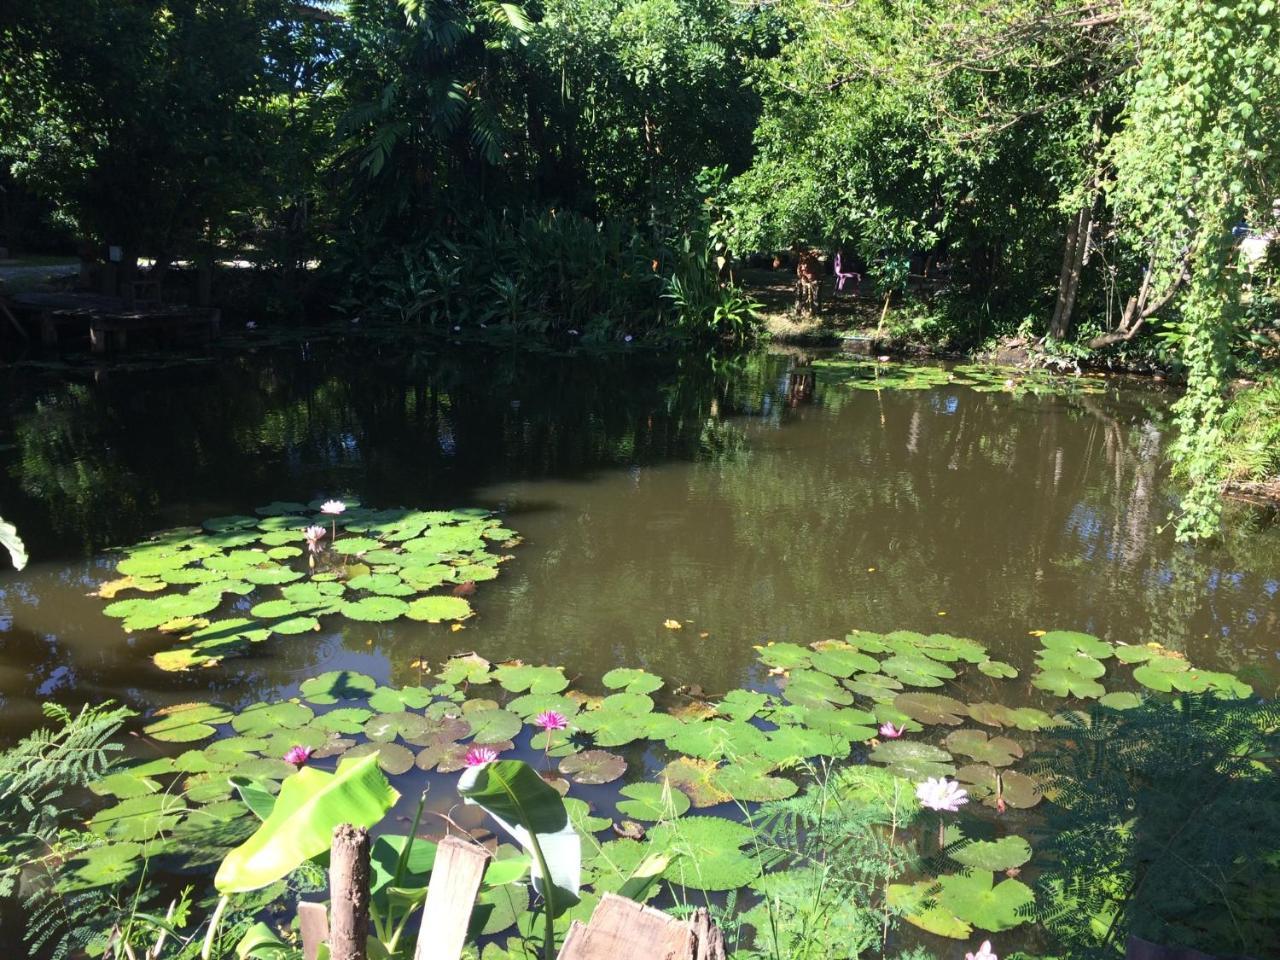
pixel 1071 661
pixel 998 669
pixel 520 678
pixel 931 708
pixel 715 739
pixel 632 681
pixel 493 726
pixel 652 801
pixel 784 656
pixel 1065 683
pixel 843 661
pixel 912 760
pixel 975 898
pixel 1003 854
pixel 918 904
pixel 987 784
pixel 996 751
pixel 709 852
pixel 1121 700
pixel 337 685
pixel 593 767
pixel 750 782
pixel 1077 643
pixel 374 609
pixel 437 609
pixel 266 718
pixel 139 818
pixel 392 757
pixel 696 779
pixel 108 865
pixel 186 722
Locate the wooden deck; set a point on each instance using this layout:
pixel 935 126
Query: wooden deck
pixel 109 320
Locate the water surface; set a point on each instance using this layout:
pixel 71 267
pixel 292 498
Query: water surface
pixel 743 497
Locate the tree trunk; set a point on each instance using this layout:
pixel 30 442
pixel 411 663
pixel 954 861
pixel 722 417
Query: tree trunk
pixel 349 893
pixel 1069 278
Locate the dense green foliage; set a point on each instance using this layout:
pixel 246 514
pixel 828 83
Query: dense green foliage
pixel 1076 173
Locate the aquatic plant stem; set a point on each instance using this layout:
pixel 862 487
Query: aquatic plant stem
pixel 215 922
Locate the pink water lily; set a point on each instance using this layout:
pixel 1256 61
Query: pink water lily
pixel 334 507
pixel 479 756
pixel 551 720
pixel 984 953
pixel 297 755
pixel 939 793
pixel 889 731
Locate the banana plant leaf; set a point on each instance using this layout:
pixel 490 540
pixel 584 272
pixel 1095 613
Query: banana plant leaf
pixel 525 806
pixel 311 803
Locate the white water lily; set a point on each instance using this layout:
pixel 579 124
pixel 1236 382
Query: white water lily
pixel 939 793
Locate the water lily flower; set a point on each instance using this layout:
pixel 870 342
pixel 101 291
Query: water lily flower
pixel 334 507
pixel 573 333
pixel 883 359
pixel 939 793
pixel 251 325
pixel 888 730
pixel 628 338
pixel 551 720
pixel 479 756
pixel 984 953
pixel 297 755
pixel 314 535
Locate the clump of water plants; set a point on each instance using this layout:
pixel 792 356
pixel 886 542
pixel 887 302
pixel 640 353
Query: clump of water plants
pixel 885 374
pixel 701 796
pixel 239 579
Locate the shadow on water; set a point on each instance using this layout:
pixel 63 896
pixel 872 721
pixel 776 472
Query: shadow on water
pixel 742 496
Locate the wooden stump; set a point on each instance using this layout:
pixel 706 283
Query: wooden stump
pixel 349 893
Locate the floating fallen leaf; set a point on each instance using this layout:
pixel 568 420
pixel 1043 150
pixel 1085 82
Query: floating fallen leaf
pixel 871 569
pixel 672 624
pixel 456 627
pixel 418 664
pixel 942 613
pixel 704 634
pixel 1036 633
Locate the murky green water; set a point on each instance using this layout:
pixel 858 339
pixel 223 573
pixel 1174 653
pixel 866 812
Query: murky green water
pixel 738 496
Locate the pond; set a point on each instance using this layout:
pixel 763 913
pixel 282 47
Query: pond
pixel 746 498
pixel 703 518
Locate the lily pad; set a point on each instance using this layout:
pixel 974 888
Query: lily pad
pixel 710 854
pixel 912 760
pixel 186 722
pixel 593 767
pixel 632 681
pixel 696 779
pixel 996 751
pixel 520 678
pixel 438 609
pixel 1003 854
pixel 975 898
pixel 652 801
pixel 375 609
pixel 918 904
pixel 931 708
pixel 337 685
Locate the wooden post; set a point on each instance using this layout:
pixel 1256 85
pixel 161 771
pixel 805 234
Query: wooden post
pixel 451 896
pixel 313 920
pixel 349 892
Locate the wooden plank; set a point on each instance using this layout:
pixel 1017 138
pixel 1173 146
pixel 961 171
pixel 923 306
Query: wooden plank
pixel 621 929
pixel 313 921
pixel 451 896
